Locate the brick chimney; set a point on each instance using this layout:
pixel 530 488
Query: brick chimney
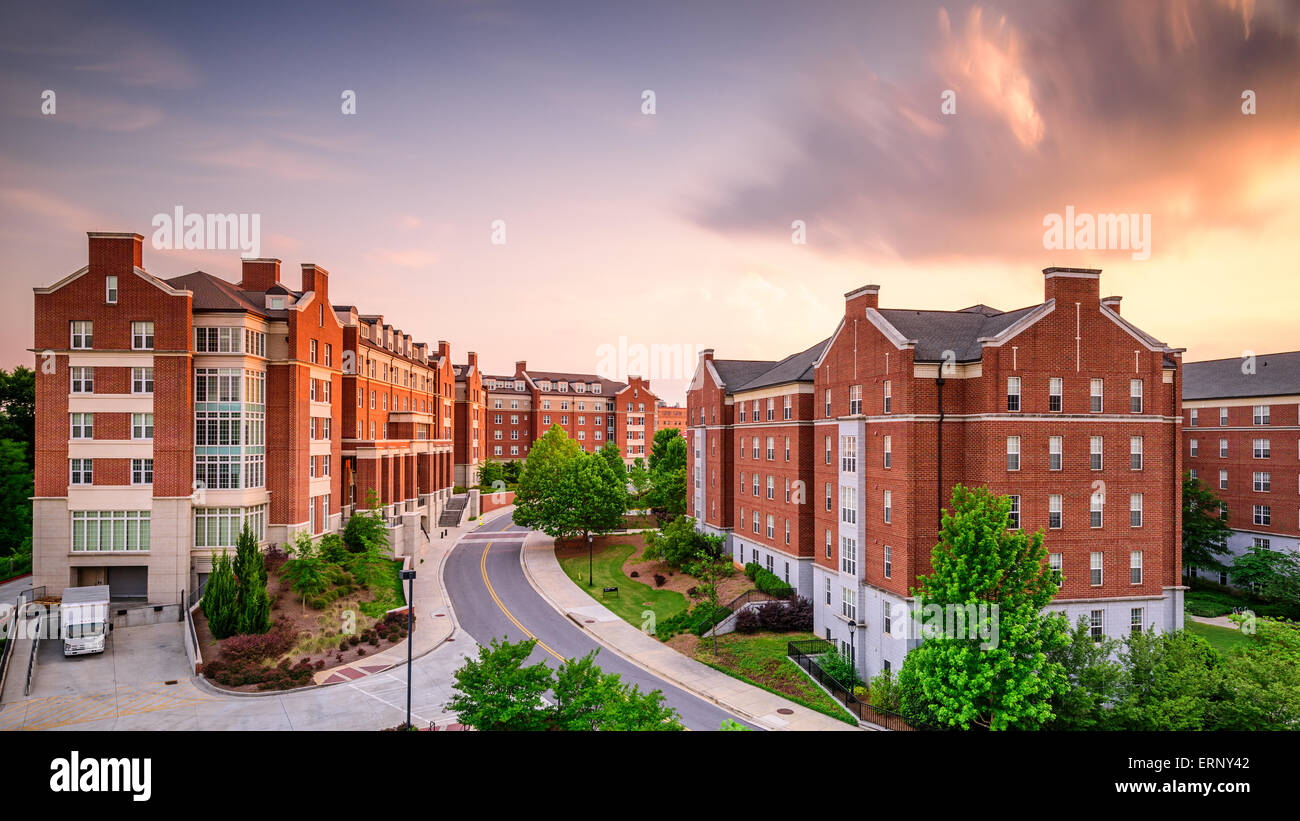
pixel 1112 302
pixel 316 279
pixel 1066 285
pixel 520 367
pixel 443 348
pixel 857 302
pixel 473 358
pixel 706 355
pixel 260 274
pixel 114 254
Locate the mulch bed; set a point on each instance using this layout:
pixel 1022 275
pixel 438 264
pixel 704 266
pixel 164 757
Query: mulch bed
pixel 676 580
pixel 287 606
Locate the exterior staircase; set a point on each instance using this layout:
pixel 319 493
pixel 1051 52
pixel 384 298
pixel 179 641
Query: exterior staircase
pixel 454 512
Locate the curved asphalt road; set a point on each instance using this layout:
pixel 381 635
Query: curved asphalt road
pixel 517 605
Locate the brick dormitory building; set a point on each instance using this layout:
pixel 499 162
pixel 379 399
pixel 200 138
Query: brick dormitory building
pixel 1241 439
pixel 170 413
pixel 592 410
pixel 830 467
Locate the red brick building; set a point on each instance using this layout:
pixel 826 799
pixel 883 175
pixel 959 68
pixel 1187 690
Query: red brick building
pixel 1241 438
pixel 138 493
pixel 592 410
pixel 1065 406
pixel 670 416
pixel 471 428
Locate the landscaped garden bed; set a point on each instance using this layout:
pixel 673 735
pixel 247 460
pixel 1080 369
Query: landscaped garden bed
pixel 760 659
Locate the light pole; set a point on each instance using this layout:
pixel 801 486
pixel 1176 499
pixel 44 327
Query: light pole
pixel 589 561
pixel 409 576
pixel 853 661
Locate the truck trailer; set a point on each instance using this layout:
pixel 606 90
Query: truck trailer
pixel 84 619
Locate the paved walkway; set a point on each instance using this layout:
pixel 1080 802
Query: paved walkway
pixel 1218 621
pixel 759 706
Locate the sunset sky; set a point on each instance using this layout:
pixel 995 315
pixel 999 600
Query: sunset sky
pixel 672 228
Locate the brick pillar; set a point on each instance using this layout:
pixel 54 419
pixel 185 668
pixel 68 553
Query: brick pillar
pixel 409 460
pixel 367 480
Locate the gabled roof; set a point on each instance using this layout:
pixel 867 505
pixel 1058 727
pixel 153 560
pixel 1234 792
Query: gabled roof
pixel 794 368
pixel 736 372
pixel 958 331
pixel 212 293
pixel 1276 374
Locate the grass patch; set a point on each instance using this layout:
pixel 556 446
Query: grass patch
pixel 387 588
pixel 633 597
pixel 759 659
pixel 1222 639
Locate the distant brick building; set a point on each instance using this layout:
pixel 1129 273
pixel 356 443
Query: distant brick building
pixel 471 425
pixel 670 416
pixel 592 410
pixel 1241 438
pixel 171 413
pixel 1065 406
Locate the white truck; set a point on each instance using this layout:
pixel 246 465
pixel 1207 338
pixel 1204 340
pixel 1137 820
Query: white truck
pixel 84 618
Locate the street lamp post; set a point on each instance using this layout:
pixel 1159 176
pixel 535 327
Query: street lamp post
pixel 409 576
pixel 589 561
pixel 853 661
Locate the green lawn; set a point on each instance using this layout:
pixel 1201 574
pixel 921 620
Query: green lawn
pixel 759 659
pixel 389 592
pixel 633 597
pixel 1222 639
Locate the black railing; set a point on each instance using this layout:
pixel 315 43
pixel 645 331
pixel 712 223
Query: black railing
pixel 805 654
pixel 11 636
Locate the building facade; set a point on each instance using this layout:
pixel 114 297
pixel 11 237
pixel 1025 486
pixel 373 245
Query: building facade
pixel 670 416
pixel 593 411
pixel 1065 406
pixel 470 421
pixel 172 413
pixel 1241 438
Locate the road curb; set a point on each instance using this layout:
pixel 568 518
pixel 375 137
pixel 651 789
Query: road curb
pixel 523 561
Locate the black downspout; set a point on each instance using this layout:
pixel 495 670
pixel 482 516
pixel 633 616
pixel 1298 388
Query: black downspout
pixel 938 383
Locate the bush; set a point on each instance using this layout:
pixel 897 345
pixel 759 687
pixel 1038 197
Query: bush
pixel 660 580
pixel 768 582
pixel 256 647
pixel 634 575
pixel 747 621
pixel 751 569
pixel 786 616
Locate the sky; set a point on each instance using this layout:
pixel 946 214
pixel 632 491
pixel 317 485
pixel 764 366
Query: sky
pixel 918 146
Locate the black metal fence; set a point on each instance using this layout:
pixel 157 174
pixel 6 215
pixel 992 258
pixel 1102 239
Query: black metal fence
pixel 805 654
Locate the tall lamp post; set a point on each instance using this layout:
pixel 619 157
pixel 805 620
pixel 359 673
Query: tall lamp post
pixel 589 561
pixel 853 661
pixel 409 576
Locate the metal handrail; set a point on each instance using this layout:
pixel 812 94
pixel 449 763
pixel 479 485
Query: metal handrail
pixel 803 653
pixel 31 659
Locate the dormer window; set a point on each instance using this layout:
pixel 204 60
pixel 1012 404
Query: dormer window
pixel 275 303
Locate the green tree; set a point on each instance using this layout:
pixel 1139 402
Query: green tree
pixel 18 409
pixel 1168 681
pixel 565 492
pixel 1270 573
pixel 497 691
pixel 1261 681
pixel 16 490
pixel 366 529
pixel 490 472
pixel 1205 530
pixel 667 495
pixel 220 598
pixel 306 569
pixel 996 672
pixel 659 447
pixel 639 477
pixel 1093 676
pixel 586 698
pixel 678 543
pixel 252 604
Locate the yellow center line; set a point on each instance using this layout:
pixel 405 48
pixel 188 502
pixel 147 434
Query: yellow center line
pixel 509 615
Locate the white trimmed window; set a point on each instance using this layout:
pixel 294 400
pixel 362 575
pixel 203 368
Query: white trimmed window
pixel 83 335
pixel 855 399
pixel 1094 452
pixel 889 397
pixel 1096 503
pixel 142 471
pixel 1095 395
pixel 83 426
pixel 1135 510
pixel 1223 448
pixel 848 555
pixel 82 380
pixel 1135 453
pixel 889 450
pixel 1013 515
pixel 1095 571
pixel 1262 514
pixel 1261 448
pixel 1223 480
pixel 1261 482
pixel 142 380
pixel 1135 624
pixel 1013 453
pixel 848 454
pixel 889 562
pixel 142 426
pixel 142 336
pixel 110 290
pixel 1191 448
pixel 889 506
pixel 848 504
pixel 1013 393
pixel 1095 625
pixel 1135 396
pixel 1054 505
pixel 81 472
pixel 98 531
pixel 1055 386
pixel 1056 561
pixel 1261 415
pixel 1054 445
pixel 1135 567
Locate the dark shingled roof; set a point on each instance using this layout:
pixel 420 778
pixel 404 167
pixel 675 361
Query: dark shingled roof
pixel 956 331
pixel 794 368
pixel 736 372
pixel 213 293
pixel 1276 374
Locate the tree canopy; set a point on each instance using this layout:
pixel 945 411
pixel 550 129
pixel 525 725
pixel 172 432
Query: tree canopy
pixel 1205 530
pixel 565 491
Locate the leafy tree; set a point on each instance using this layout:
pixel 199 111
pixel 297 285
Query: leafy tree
pixel 1205 531
pixel 497 691
pixel 18 409
pixel 566 492
pixel 366 530
pixel 332 549
pixel 500 691
pixel 733 726
pixel 639 478
pixel 884 692
pixel 659 447
pixel 1270 573
pixel 668 479
pixel 1093 677
pixel 16 490
pixel 1005 681
pixel 588 699
pixel 1261 681
pixel 490 472
pixel 220 598
pixel 1167 682
pixel 511 470
pixel 306 569
pixel 678 543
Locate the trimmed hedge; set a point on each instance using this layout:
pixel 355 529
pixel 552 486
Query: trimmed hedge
pixel 767 581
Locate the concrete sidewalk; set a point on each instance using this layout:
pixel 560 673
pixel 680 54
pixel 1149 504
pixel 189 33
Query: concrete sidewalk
pixel 435 621
pixel 759 706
